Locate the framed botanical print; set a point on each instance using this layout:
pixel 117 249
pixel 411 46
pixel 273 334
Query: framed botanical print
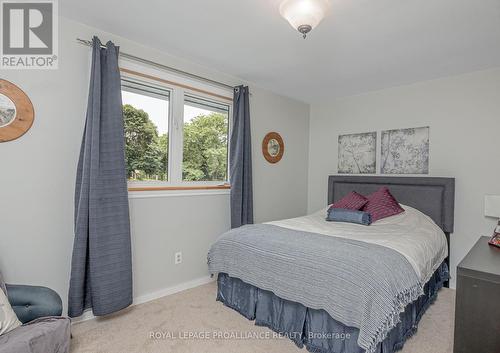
pixel 357 153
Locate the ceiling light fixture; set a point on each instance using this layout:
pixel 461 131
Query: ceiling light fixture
pixel 304 15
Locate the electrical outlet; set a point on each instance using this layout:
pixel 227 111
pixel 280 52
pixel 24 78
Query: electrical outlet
pixel 178 258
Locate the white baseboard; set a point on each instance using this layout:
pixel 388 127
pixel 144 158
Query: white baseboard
pixel 87 315
pixel 172 290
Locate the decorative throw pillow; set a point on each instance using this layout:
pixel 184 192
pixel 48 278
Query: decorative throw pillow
pixel 381 204
pixel 350 216
pixel 8 318
pixel 352 201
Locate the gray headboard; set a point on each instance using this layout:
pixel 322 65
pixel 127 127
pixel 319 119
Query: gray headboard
pixel 433 196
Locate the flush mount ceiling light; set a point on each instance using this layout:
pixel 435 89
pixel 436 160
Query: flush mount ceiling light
pixel 304 15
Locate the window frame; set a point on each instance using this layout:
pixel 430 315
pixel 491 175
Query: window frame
pixel 177 87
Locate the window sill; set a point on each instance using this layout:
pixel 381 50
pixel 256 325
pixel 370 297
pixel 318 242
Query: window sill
pixel 179 188
pixel 146 192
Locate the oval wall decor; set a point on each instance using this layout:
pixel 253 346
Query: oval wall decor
pixel 16 112
pixel 273 147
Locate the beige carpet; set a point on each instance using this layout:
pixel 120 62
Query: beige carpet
pixel 196 311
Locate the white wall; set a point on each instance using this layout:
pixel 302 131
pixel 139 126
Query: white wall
pixel 37 174
pixel 463 113
pixel 37 171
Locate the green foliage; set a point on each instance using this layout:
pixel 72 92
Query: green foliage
pixel 205 147
pixel 163 160
pixel 145 154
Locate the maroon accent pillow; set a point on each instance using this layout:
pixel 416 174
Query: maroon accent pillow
pixel 381 204
pixel 352 201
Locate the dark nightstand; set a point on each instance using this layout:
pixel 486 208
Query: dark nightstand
pixel 477 308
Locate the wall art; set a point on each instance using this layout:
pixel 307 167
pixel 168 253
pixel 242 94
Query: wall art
pixel 357 153
pixel 405 151
pixel 16 112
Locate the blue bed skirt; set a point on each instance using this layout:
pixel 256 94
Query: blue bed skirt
pixel 316 329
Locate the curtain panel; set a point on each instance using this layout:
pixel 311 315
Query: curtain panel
pixel 101 268
pixel 240 160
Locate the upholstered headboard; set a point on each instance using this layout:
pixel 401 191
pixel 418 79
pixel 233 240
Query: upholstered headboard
pixel 433 196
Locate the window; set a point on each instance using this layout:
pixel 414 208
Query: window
pixel 174 136
pixel 146 117
pixel 205 140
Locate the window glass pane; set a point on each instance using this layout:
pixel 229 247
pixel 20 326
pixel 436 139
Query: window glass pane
pixel 145 113
pixel 205 140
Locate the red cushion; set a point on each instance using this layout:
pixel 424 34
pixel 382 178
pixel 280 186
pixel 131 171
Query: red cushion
pixel 381 204
pixel 352 201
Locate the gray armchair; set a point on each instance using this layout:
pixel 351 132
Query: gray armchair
pixel 43 329
pixel 31 302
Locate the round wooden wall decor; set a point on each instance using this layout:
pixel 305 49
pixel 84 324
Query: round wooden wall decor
pixel 16 112
pixel 273 147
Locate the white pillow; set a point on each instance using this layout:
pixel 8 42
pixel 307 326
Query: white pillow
pixel 8 318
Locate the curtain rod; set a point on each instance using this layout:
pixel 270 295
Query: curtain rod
pixel 163 67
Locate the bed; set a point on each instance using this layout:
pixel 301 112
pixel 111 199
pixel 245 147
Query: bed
pixel 333 288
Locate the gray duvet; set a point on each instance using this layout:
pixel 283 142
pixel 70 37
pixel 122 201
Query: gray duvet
pixel 359 284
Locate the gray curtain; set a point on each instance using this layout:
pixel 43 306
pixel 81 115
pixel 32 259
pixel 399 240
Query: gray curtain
pixel 240 161
pixel 101 268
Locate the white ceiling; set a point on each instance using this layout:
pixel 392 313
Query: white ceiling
pixel 362 45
